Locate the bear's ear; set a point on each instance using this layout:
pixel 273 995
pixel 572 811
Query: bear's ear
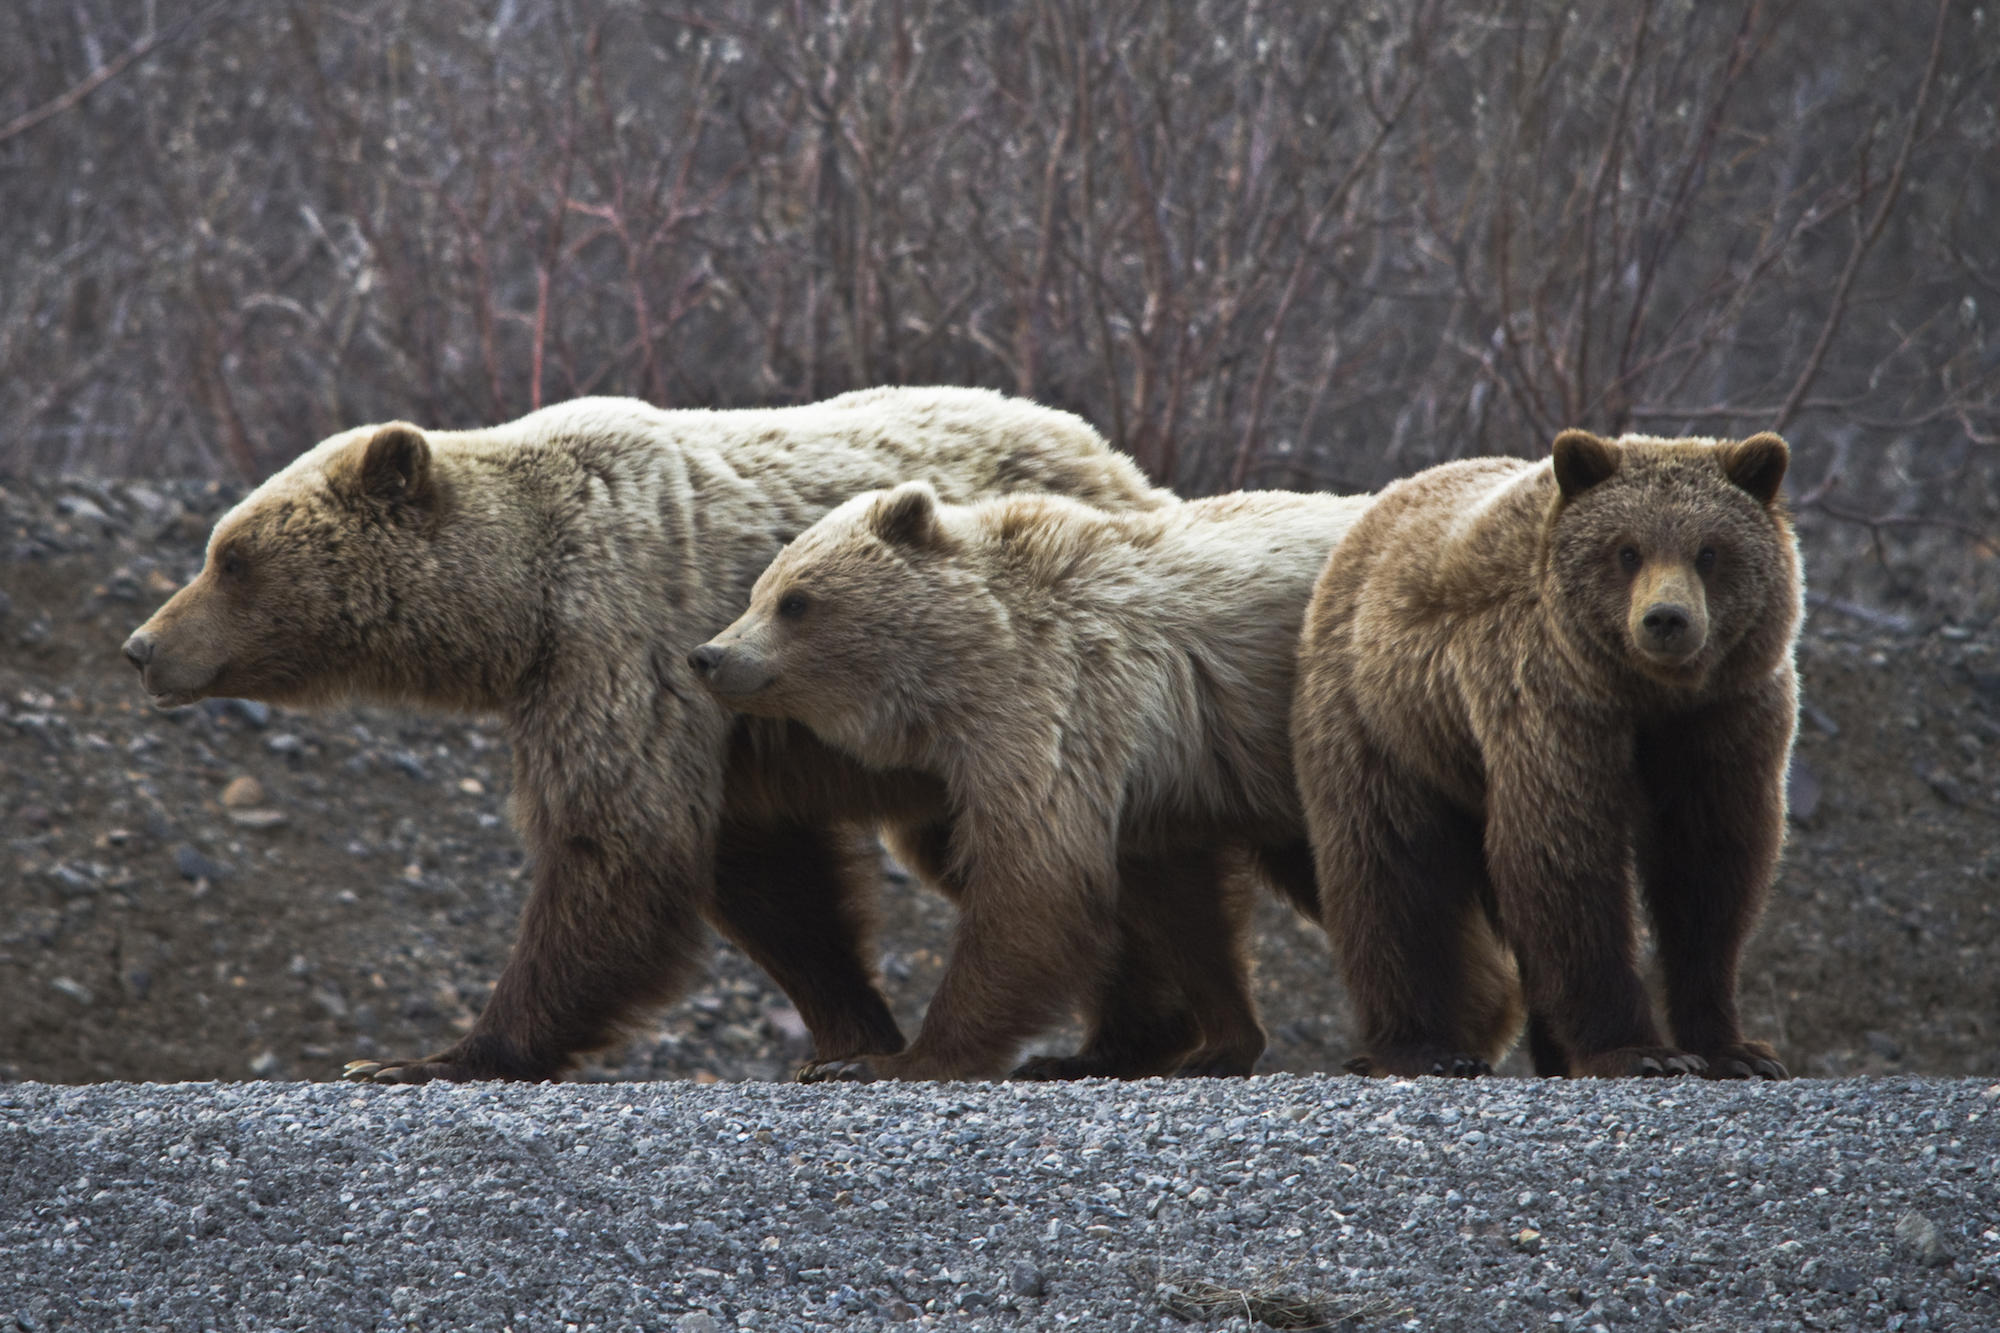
pixel 1757 465
pixel 907 516
pixel 396 465
pixel 1582 460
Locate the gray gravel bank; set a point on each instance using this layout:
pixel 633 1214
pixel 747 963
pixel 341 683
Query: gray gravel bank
pixel 1493 1205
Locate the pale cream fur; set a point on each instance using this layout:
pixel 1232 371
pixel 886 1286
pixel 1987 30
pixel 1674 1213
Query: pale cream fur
pixel 556 570
pixel 1084 683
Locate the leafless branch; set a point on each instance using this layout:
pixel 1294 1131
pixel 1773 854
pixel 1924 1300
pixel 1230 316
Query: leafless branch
pixel 109 70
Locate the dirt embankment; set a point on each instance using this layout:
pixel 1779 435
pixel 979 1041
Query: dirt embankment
pixel 233 891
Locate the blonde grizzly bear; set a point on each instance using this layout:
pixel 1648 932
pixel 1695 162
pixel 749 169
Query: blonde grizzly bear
pixel 1088 687
pixel 556 570
pixel 1519 686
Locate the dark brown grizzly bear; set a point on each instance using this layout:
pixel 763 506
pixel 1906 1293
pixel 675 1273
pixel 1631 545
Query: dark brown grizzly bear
pixel 1090 687
pixel 556 571
pixel 1520 688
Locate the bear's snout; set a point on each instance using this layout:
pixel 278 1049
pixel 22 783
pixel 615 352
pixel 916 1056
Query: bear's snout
pixel 731 671
pixel 1664 623
pixel 139 648
pixel 178 653
pixel 705 660
pixel 1669 624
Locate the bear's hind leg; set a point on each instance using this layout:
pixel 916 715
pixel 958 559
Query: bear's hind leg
pixel 1492 1012
pixel 1401 882
pixel 798 901
pixel 1550 1057
pixel 1287 868
pixel 1209 924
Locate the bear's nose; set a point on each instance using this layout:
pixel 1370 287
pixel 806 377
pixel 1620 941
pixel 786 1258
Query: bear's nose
pixel 1665 621
pixel 139 649
pixel 705 659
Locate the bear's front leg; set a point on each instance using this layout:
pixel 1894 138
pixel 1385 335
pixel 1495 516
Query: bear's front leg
pixel 1175 999
pixel 600 938
pixel 1708 850
pixel 1033 936
pixel 614 794
pixel 1559 812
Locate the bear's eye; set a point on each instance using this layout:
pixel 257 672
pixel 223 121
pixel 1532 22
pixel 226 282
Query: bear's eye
pixel 792 606
pixel 1704 559
pixel 1628 559
pixel 232 565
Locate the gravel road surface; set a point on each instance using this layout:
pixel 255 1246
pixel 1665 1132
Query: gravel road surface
pixel 1291 1201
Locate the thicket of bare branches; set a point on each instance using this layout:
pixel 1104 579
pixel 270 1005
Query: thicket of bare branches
pixel 1258 242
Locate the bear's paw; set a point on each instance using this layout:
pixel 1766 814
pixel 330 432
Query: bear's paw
pixel 1418 1063
pixel 1639 1062
pixel 1747 1059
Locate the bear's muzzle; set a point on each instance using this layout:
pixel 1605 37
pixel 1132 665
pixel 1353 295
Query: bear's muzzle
pixel 729 673
pixel 177 663
pixel 1669 619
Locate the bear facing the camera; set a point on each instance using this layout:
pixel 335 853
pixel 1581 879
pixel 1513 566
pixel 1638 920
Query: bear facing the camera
pixel 1521 687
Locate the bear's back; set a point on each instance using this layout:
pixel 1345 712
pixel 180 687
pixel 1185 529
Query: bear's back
pixel 1450 537
pixel 1418 616
pixel 972 443
pixel 1181 628
pixel 686 506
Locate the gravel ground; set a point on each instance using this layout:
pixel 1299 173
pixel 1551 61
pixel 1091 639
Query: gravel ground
pixel 1504 1204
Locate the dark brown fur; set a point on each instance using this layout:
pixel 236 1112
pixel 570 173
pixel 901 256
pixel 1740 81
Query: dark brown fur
pixel 1520 686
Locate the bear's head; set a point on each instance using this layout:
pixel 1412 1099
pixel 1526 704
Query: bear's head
pixel 301 578
pixel 856 624
pixel 1673 557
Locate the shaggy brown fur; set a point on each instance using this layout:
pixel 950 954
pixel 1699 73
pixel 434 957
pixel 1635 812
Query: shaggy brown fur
pixel 1104 698
pixel 1520 684
pixel 556 571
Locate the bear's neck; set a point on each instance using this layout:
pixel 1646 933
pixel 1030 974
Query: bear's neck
pixel 465 629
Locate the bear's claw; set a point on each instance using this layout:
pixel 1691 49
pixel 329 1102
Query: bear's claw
pixel 405 1072
pixel 1640 1062
pixel 1217 1064
pixel 856 1070
pixel 1750 1059
pixel 1057 1069
pixel 1454 1064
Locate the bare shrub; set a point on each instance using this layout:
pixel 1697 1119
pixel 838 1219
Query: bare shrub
pixel 1257 242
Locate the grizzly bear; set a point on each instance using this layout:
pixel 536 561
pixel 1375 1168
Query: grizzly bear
pixel 555 571
pixel 1088 687
pixel 1520 686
